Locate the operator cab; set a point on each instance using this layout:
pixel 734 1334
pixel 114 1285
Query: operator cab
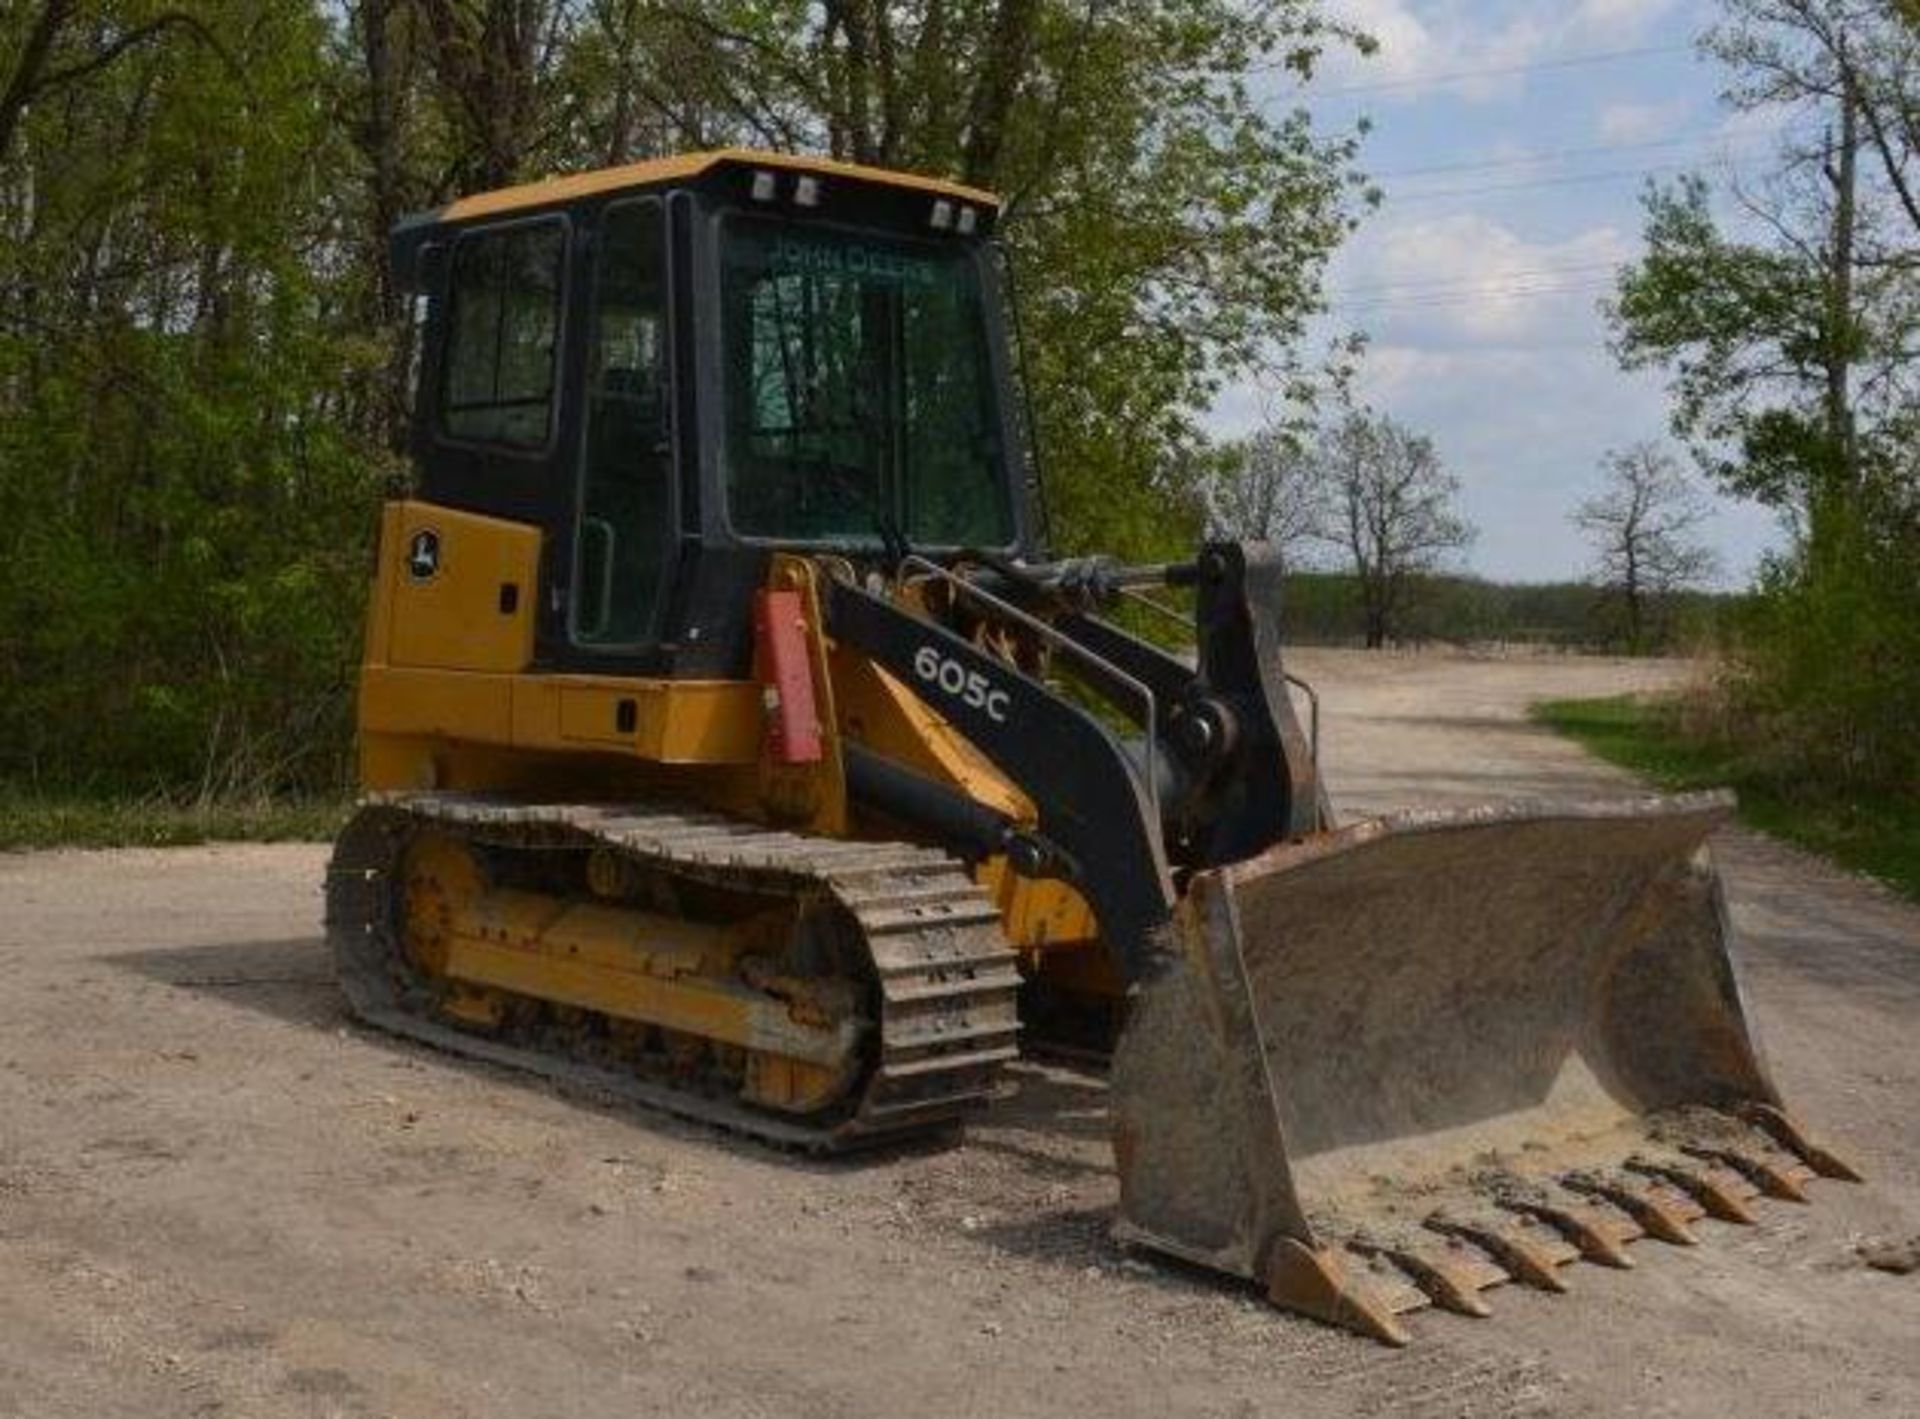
pixel 675 368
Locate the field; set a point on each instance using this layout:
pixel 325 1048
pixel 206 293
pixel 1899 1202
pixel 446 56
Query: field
pixel 218 1196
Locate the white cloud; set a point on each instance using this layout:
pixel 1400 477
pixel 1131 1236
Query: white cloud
pixel 1465 279
pixel 1618 22
pixel 1429 40
pixel 1643 122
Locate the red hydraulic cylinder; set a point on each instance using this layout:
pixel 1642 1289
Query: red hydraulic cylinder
pixel 781 664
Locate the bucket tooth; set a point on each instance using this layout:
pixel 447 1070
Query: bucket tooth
pixel 1659 1211
pixel 1722 1192
pixel 1777 1176
pixel 1513 1242
pixel 1785 1130
pixel 1320 1283
pixel 1601 1235
pixel 1450 1271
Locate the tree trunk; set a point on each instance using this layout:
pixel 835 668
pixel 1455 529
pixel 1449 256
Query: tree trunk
pixel 30 68
pixel 857 96
pixel 1840 316
pixel 1635 626
pixel 380 137
pixel 999 86
pixel 486 57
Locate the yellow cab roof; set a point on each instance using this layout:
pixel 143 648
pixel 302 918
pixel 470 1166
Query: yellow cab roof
pixel 552 190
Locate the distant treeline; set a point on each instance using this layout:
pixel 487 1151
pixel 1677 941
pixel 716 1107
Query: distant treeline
pixel 1324 608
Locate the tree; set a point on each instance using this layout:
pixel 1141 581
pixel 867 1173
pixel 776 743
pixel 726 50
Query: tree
pixel 495 60
pixel 1789 329
pixel 1641 527
pixel 1791 351
pixel 183 505
pixel 1266 488
pixel 40 66
pixel 203 349
pixel 1857 57
pixel 1395 512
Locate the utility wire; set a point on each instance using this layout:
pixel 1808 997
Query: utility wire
pixel 1515 284
pixel 1414 284
pixel 1554 155
pixel 1461 76
pixel 1439 299
pixel 1558 180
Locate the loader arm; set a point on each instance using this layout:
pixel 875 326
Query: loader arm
pixel 1225 771
pixel 1095 811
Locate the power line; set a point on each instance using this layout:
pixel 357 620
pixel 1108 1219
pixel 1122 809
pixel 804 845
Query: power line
pixel 1439 299
pixel 1559 180
pixel 1553 155
pixel 1450 282
pixel 1461 76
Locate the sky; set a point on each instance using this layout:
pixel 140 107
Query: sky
pixel 1512 139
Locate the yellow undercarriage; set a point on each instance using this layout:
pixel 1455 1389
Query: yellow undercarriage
pixel 708 997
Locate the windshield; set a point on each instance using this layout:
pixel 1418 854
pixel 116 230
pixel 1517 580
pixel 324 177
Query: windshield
pixel 860 402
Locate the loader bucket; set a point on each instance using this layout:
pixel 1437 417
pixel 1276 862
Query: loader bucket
pixel 1401 1062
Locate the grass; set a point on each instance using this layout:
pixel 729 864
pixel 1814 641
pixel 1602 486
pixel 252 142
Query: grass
pixel 1879 837
pixel 31 819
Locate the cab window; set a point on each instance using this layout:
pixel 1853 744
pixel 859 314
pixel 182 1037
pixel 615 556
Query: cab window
pixel 625 536
pixel 503 335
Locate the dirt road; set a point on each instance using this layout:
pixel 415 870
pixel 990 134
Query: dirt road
pixel 217 1197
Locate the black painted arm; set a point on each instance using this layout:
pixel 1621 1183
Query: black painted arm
pixel 1093 807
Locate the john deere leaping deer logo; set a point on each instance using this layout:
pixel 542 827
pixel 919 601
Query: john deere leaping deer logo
pixel 423 555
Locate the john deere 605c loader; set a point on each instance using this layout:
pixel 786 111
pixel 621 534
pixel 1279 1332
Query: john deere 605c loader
pixel 733 742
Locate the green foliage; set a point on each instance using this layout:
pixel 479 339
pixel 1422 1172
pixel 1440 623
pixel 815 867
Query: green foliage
pixel 1827 682
pixel 183 506
pixel 1745 332
pixel 1664 742
pixel 34 820
pixel 201 343
pixel 1167 236
pixel 1790 351
pixel 1794 369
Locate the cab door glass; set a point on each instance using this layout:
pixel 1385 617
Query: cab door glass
pixel 625 535
pixel 503 335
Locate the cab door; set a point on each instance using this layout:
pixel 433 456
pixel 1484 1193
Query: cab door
pixel 627 530
pixel 495 432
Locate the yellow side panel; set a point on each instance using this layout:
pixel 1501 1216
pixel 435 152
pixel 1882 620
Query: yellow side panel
pixel 437 703
pixel 469 607
pixel 674 721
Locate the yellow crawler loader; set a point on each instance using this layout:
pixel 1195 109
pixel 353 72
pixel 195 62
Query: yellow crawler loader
pixel 732 742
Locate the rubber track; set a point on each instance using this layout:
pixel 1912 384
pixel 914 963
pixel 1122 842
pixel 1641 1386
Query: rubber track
pixel 946 978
